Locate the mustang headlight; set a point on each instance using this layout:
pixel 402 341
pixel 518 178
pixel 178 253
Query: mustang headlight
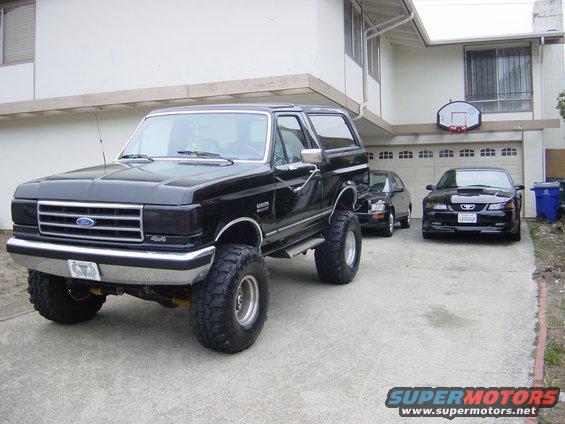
pixel 378 206
pixel 436 206
pixel 501 206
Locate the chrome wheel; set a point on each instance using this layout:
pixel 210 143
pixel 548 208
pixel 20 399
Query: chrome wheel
pixel 247 301
pixel 391 222
pixel 408 217
pixel 350 249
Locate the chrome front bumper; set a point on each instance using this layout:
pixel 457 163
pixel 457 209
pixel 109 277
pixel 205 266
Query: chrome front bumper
pixel 115 265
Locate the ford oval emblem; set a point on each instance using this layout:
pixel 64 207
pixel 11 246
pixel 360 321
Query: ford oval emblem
pixel 85 222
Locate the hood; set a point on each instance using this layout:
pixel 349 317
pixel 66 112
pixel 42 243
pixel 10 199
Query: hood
pixel 378 195
pixel 158 182
pixel 471 195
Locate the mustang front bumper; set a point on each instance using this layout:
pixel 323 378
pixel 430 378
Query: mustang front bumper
pixel 487 222
pixel 115 265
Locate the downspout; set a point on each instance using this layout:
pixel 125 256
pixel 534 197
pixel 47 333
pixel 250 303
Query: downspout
pixel 367 36
pixel 542 99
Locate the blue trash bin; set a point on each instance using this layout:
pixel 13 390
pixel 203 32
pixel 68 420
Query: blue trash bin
pixel 547 200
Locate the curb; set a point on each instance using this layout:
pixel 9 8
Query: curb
pixel 541 341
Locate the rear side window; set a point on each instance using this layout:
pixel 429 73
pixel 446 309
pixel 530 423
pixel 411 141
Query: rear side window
pixel 333 131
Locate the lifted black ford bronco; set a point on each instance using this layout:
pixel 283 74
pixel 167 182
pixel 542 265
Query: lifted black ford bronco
pixel 188 210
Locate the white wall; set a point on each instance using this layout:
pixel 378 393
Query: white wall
pixel 332 64
pixel 425 80
pixel 388 80
pixel 88 46
pixel 16 82
pixel 533 168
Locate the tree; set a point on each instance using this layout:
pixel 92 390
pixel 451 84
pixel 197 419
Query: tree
pixel 561 104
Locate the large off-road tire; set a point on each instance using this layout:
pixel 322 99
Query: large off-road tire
pixel 51 298
pixel 228 308
pixel 337 259
pixel 388 231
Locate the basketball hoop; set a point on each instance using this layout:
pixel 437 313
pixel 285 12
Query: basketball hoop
pixel 459 118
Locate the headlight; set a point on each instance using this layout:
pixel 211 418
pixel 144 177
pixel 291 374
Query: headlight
pixel 378 206
pixel 24 212
pixel 436 206
pixel 501 206
pixel 172 220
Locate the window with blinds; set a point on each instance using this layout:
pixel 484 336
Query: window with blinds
pixel 499 80
pixel 17 33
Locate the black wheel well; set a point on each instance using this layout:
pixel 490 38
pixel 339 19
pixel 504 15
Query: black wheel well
pixel 242 232
pixel 346 199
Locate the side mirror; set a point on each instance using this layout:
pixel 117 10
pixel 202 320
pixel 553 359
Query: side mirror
pixel 519 187
pixel 430 187
pixel 311 156
pixel 399 190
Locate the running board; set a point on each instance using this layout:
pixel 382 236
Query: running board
pixel 299 248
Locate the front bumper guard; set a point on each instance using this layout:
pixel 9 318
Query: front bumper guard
pixel 116 265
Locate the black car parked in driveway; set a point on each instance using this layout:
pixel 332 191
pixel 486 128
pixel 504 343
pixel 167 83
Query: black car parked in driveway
pixel 388 201
pixel 479 200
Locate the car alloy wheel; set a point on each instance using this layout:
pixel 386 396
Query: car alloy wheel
pixel 391 222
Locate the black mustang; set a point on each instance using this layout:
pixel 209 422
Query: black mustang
pixel 481 200
pixel 388 201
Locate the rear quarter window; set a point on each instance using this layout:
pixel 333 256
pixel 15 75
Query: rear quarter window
pixel 333 131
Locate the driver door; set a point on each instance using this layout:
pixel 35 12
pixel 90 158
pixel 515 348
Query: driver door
pixel 298 193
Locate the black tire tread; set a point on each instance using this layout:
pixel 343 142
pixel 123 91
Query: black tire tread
pixel 329 262
pixel 210 319
pixel 50 298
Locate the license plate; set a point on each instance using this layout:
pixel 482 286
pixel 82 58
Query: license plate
pixel 84 270
pixel 467 218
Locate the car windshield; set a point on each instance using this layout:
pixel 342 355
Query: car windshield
pixel 474 177
pixel 379 182
pixel 228 134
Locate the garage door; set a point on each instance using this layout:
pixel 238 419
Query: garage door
pixel 421 165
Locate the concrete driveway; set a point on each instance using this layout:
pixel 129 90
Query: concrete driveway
pixel 419 313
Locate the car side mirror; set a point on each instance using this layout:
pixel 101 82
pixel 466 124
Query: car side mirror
pixel 519 187
pixel 430 187
pixel 313 156
pixel 399 190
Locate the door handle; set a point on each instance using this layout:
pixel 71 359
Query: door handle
pixel 315 170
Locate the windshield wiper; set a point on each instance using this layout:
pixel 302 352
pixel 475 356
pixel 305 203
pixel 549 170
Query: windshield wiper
pixel 201 154
pixel 137 156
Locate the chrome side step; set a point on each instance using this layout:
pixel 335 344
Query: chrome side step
pixel 299 248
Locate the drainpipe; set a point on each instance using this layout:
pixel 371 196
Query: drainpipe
pixel 367 36
pixel 542 99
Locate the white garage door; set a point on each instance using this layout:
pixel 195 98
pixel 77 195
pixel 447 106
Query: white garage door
pixel 420 165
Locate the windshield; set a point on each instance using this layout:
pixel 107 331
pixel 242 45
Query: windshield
pixel 230 135
pixel 379 182
pixel 473 177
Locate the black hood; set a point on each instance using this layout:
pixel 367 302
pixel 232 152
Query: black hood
pixel 471 195
pixel 159 182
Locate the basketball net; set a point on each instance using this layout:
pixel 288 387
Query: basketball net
pixel 458 123
pixel 458 129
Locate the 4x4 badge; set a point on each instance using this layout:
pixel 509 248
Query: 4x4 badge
pixel 263 206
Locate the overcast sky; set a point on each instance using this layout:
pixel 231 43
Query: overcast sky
pixel 474 18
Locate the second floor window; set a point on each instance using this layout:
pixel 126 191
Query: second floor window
pixel 17 33
pixel 499 80
pixel 353 25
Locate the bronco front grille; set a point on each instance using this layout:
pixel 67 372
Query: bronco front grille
pixel 110 221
